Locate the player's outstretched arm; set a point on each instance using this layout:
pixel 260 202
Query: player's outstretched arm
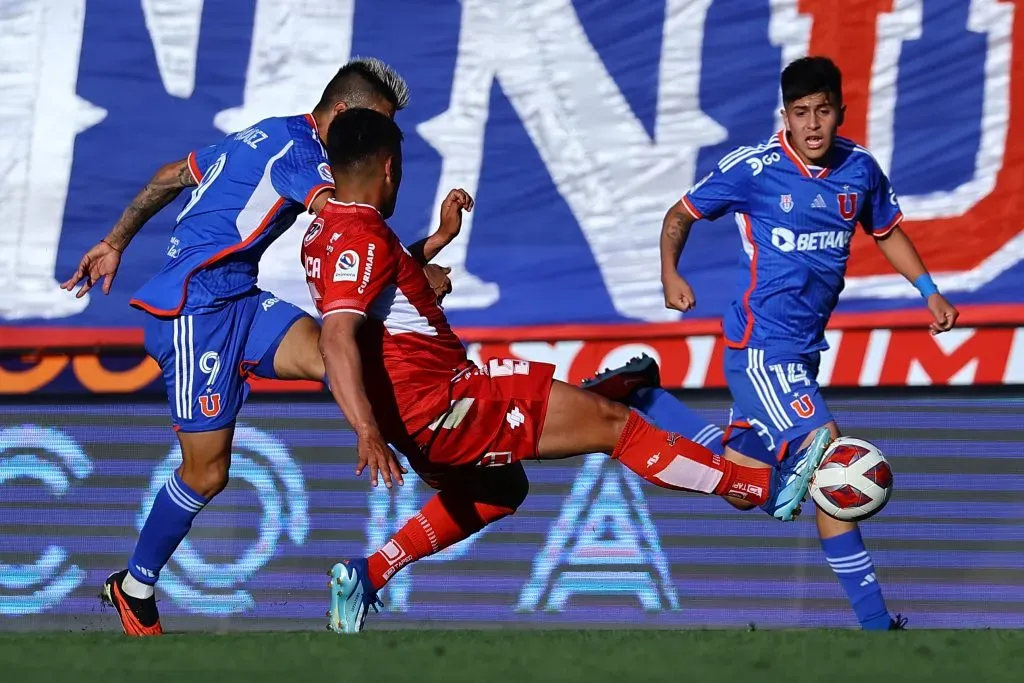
pixel 166 184
pixel 900 252
pixel 454 204
pixel 103 260
pixel 675 228
pixel 345 375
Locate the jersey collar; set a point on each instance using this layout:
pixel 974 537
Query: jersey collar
pixel 312 124
pixel 352 205
pixel 797 161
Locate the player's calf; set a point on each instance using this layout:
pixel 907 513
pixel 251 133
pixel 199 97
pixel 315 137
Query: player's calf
pixel 469 499
pixel 206 457
pixel 579 422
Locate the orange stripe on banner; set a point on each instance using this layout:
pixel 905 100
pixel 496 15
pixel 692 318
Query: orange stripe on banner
pixel 31 379
pixel 57 339
pixel 96 378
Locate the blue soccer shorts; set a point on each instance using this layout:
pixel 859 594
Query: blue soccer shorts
pixel 206 357
pixel 776 402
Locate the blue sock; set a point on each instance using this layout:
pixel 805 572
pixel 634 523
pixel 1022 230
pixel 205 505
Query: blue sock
pixel 669 413
pixel 169 520
pixel 852 564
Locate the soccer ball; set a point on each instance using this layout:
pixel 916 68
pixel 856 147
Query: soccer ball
pixel 854 480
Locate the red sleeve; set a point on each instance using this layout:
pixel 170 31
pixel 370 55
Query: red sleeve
pixel 361 266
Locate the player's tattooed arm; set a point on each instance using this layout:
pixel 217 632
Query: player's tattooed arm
pixel 102 261
pixel 675 229
pixel 160 191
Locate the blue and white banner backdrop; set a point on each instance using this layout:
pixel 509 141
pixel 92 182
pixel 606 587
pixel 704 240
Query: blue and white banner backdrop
pixel 575 123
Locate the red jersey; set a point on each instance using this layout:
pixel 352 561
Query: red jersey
pixel 355 263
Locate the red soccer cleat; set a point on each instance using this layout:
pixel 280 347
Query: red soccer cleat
pixel 618 384
pixel 139 617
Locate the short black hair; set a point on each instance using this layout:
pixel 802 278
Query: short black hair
pixel 357 137
pixel 363 80
pixel 810 76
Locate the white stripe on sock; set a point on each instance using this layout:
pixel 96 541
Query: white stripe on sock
pixel 181 498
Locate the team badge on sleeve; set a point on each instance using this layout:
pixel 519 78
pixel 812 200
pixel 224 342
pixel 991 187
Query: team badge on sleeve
pixel 325 172
pixel 314 230
pixel 347 266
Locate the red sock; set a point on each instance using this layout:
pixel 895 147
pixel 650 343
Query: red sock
pixel 672 462
pixel 446 519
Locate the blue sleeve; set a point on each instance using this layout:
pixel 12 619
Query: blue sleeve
pixel 721 191
pixel 200 161
pixel 302 173
pixel 881 211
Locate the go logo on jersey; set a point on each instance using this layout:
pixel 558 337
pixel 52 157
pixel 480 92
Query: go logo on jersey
pixel 758 164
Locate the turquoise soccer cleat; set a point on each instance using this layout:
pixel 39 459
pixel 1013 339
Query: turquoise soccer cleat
pixel 352 596
pixel 793 478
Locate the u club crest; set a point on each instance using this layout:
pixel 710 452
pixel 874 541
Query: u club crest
pixel 786 202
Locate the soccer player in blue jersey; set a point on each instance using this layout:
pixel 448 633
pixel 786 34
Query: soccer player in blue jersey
pixel 210 326
pixel 797 199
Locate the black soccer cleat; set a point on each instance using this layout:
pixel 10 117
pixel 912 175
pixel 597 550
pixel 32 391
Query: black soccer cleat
pixel 898 623
pixel 139 617
pixel 619 384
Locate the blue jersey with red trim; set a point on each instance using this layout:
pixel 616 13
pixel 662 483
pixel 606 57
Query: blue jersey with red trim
pixel 796 223
pixel 252 185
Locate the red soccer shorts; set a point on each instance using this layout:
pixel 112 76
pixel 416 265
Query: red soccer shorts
pixel 496 416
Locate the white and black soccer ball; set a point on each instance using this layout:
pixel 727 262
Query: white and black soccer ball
pixel 853 481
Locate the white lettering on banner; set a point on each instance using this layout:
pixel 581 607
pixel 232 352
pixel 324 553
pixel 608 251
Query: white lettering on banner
pixel 40 45
pixel 827 363
pixel 993 18
pixel 173 27
pixel 790 30
pixel 600 158
pixel 871 370
pixel 700 349
pixel 1014 373
pixel 296 48
pixel 856 357
pixel 560 354
pixel 949 342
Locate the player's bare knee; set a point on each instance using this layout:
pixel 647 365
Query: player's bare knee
pixel 207 478
pixel 298 356
pixel 205 470
pixel 612 415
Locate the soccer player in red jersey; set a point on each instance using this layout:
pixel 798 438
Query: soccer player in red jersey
pixel 401 376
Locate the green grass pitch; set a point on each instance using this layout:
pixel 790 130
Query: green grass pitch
pixel 519 656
